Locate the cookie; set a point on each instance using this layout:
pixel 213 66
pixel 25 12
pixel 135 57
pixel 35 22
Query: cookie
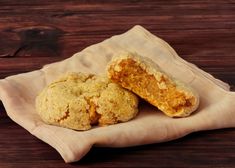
pixel 78 101
pixel 143 77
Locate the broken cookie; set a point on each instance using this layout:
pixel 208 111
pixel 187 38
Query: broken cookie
pixel 79 100
pixel 143 77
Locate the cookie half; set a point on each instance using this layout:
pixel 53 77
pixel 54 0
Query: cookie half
pixel 78 101
pixel 143 77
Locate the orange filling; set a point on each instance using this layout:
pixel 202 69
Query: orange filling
pixel 160 93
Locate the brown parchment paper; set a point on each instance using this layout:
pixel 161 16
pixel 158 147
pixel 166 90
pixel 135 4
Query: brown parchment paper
pixel 18 94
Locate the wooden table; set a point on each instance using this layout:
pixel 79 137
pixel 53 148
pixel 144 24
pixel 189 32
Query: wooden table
pixel 36 33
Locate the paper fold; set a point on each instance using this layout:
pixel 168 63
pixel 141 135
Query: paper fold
pixel 18 94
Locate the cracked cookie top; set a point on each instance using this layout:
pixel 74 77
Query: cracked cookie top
pixel 78 101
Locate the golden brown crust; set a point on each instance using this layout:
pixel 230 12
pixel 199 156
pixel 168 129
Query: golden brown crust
pixel 78 101
pixel 146 79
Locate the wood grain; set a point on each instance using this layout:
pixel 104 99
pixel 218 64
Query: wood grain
pixel 35 33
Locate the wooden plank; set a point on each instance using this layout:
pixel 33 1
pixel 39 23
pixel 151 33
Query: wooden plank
pixel 35 33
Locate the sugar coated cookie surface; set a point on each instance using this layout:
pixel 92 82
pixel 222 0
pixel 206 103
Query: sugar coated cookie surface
pixel 143 77
pixel 78 101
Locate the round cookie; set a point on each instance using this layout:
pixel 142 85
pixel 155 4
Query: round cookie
pixel 143 77
pixel 78 101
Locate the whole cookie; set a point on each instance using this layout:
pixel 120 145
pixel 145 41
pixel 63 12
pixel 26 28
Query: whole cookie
pixel 143 77
pixel 78 101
